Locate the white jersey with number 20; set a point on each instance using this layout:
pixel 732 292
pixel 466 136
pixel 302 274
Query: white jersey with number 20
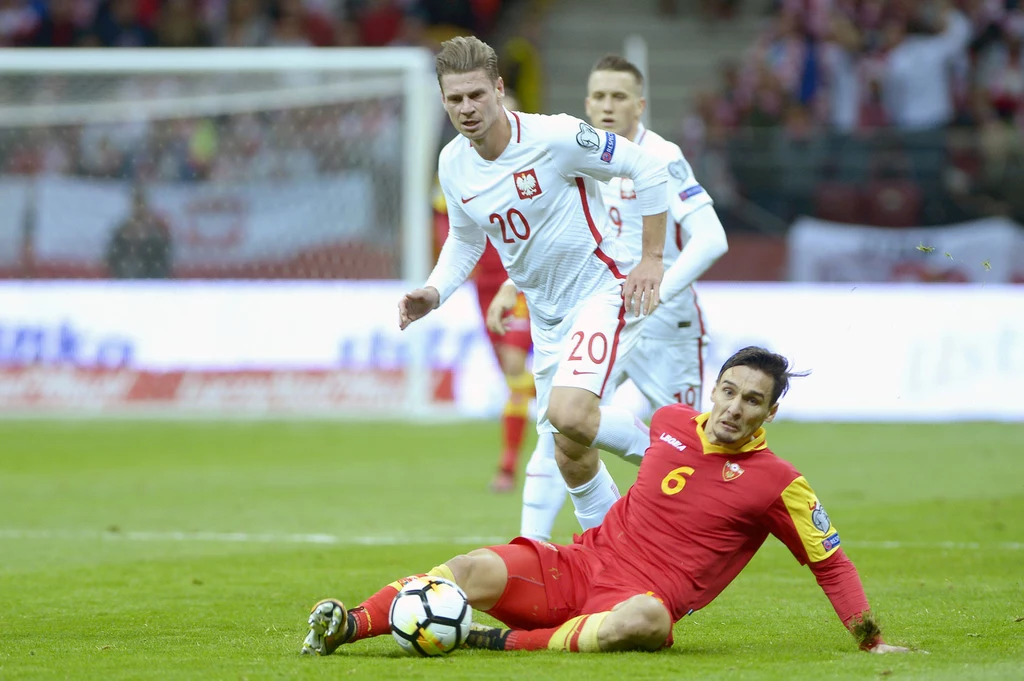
pixel 540 205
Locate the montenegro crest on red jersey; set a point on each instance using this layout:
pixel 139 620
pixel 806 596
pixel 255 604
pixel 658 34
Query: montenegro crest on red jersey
pixel 527 184
pixel 731 471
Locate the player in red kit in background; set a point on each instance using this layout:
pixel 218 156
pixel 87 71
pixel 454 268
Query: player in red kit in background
pixel 708 494
pixel 511 350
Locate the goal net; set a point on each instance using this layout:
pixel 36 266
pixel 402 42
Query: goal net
pixel 192 188
pixel 264 163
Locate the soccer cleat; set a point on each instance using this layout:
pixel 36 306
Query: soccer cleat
pixel 484 637
pixel 503 483
pixel 330 625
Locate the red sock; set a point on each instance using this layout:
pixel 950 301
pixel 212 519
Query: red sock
pixel 534 639
pixel 513 429
pixel 513 419
pixel 371 616
pixel 577 635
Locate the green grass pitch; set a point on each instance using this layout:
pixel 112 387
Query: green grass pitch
pixel 134 550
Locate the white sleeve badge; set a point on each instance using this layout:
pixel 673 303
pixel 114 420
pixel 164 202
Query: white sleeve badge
pixel 588 138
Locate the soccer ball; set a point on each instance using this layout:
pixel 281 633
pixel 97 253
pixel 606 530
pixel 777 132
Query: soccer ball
pixel 430 616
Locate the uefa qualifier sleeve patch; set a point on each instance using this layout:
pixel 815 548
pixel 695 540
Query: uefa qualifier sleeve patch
pixel 819 537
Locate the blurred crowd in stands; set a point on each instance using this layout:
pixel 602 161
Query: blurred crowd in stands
pixel 891 112
pixel 239 23
pixel 888 112
pixel 294 143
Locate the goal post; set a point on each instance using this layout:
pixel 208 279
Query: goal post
pixel 371 73
pixel 327 155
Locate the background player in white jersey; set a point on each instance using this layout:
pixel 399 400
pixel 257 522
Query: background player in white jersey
pixel 529 183
pixel 666 366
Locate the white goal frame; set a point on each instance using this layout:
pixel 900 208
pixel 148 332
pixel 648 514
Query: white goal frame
pixel 421 118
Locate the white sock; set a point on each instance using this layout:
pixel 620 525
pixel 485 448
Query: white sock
pixel 622 434
pixel 593 499
pixel 543 491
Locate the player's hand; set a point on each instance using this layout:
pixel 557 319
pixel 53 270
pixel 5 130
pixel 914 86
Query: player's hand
pixel 642 289
pixel 502 304
pixel 883 648
pixel 417 305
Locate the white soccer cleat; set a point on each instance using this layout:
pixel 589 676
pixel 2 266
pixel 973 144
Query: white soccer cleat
pixel 328 628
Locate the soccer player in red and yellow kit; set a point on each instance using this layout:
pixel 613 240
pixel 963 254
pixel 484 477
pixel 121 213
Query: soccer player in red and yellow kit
pixel 708 494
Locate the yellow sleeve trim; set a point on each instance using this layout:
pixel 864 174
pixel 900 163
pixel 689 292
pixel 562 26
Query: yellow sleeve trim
pixel 820 538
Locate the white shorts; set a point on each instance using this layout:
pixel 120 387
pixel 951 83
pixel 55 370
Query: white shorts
pixel 583 350
pixel 666 371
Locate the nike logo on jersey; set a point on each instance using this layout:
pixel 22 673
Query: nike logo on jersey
pixel 464 200
pixel 577 372
pixel 665 437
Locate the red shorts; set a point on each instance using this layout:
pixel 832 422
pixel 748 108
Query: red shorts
pixel 549 584
pixel 517 333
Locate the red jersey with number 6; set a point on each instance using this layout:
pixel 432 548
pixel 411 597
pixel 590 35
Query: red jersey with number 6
pixel 698 512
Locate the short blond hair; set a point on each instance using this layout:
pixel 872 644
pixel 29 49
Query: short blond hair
pixel 465 54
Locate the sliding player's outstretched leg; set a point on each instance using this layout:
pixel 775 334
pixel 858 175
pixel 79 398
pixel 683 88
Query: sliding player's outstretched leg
pixel 332 625
pixel 481 574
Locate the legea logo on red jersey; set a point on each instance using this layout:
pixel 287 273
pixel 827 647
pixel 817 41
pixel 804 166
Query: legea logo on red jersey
pixel 731 471
pixel 665 437
pixel 527 184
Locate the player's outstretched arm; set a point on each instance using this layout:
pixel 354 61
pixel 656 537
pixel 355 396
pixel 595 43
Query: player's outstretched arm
pixel 838 578
pixel 501 305
pixel 800 521
pixel 417 305
pixel 868 634
pixel 459 255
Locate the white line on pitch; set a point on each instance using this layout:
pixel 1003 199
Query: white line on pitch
pixel 391 540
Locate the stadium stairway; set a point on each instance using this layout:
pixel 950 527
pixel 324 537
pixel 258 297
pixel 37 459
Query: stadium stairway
pixel 685 52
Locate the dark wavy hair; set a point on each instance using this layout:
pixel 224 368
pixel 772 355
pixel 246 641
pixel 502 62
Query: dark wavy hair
pixel 771 363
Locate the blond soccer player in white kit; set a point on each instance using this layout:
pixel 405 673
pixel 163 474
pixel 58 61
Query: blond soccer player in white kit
pixel 666 365
pixel 530 184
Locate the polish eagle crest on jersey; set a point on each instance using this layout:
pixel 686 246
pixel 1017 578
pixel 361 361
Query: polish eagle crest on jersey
pixel 731 471
pixel 527 184
pixel 626 189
